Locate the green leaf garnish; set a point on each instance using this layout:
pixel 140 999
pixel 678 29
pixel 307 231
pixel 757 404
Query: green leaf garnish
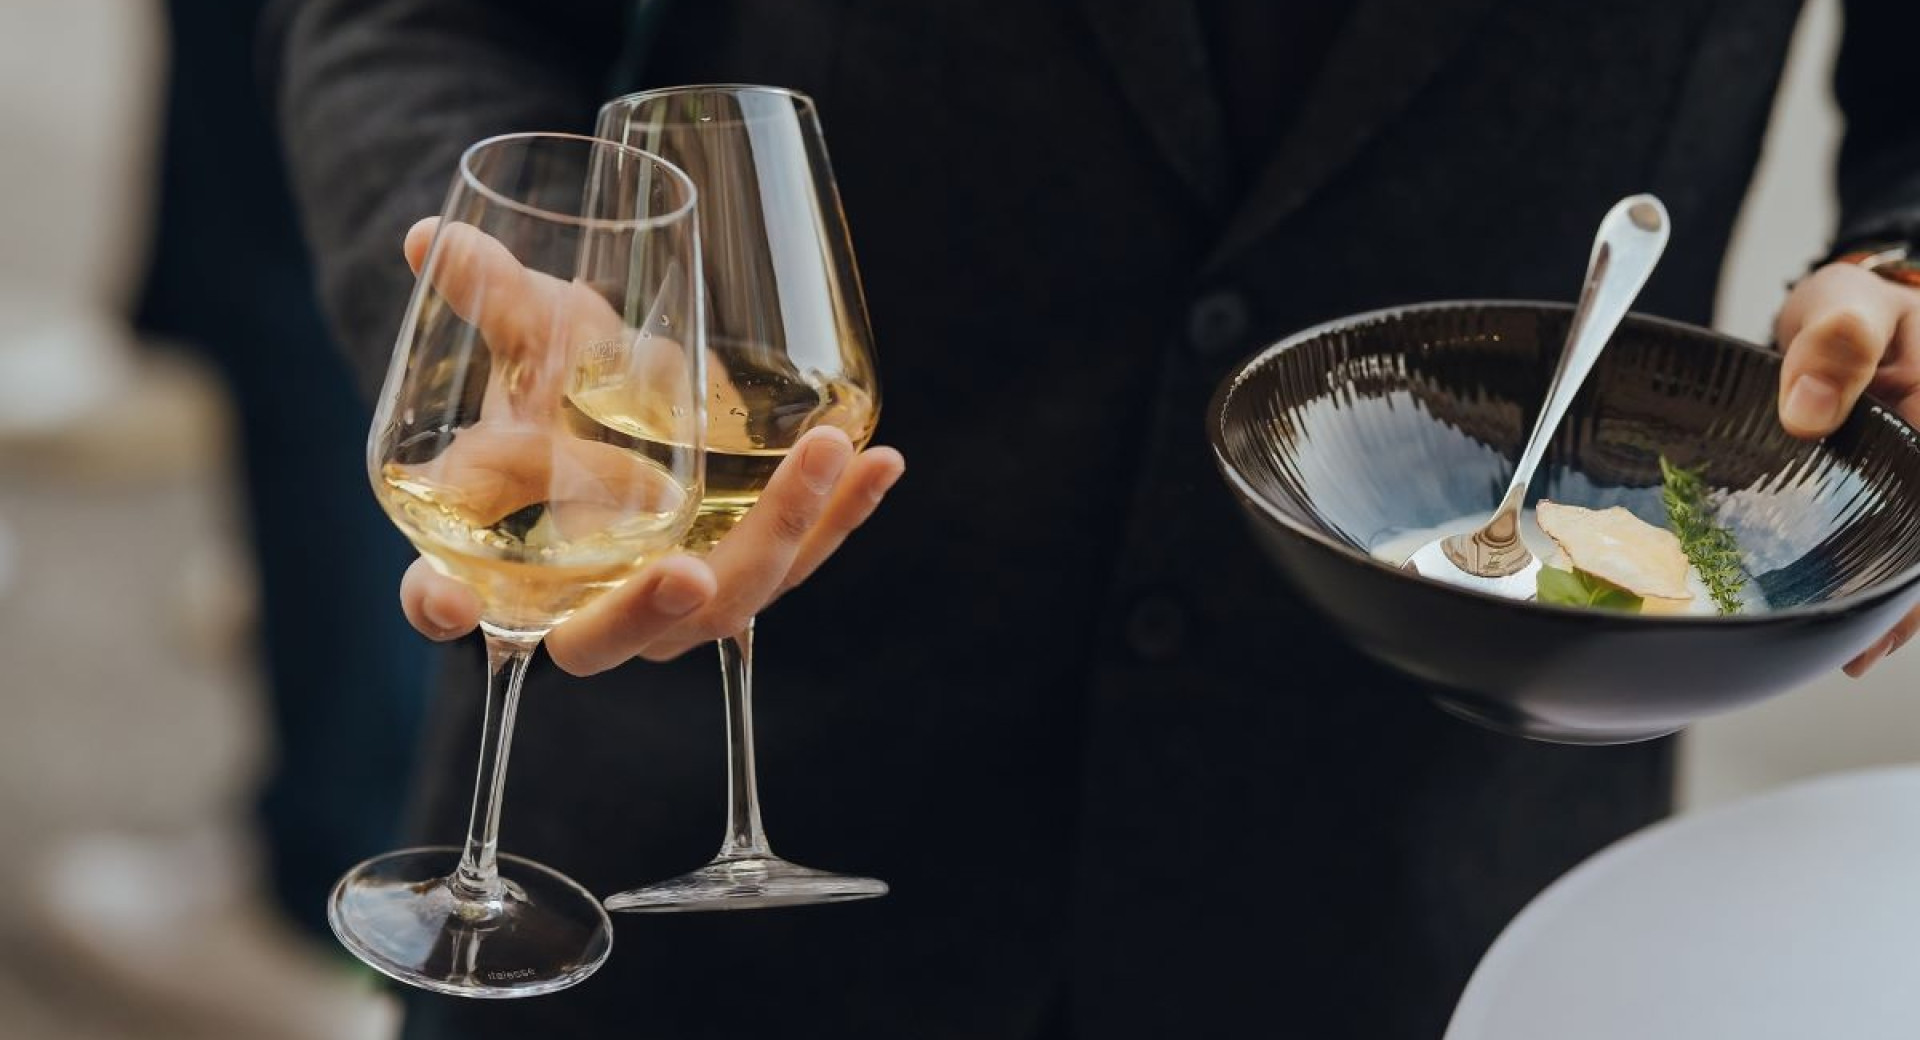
pixel 1575 588
pixel 1709 547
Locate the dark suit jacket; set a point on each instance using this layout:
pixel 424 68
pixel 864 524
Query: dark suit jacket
pixel 1125 784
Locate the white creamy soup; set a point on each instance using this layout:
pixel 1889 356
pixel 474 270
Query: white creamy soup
pixel 1395 546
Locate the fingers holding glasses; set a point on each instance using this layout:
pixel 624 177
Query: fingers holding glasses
pixel 437 606
pixel 753 560
pixel 610 630
pixel 819 495
pixel 868 478
pixel 483 282
pixel 749 567
pixel 523 314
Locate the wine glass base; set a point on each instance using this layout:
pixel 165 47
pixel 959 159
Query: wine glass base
pixel 398 914
pixel 746 883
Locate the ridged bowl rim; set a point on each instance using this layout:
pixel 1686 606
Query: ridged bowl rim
pixel 1216 411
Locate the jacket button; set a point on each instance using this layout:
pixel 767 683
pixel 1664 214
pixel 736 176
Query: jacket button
pixel 1218 323
pixel 1157 628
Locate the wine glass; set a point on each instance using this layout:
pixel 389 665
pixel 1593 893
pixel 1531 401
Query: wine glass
pixel 561 267
pixel 789 348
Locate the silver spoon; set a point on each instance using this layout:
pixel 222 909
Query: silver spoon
pixel 1494 559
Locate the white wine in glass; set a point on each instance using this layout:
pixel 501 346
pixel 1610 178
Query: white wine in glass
pixel 534 553
pixel 754 416
pixel 559 264
pixel 789 349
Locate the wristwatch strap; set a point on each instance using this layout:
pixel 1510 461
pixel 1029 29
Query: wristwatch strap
pixel 1893 261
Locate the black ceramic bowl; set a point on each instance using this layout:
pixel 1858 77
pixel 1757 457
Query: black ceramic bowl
pixel 1337 437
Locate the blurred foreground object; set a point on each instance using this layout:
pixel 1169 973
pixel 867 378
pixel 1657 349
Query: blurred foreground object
pixel 75 173
pixel 1789 914
pixel 344 677
pixel 131 742
pixel 135 744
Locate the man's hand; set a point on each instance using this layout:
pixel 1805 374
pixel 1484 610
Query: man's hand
pixel 819 495
pixel 1848 331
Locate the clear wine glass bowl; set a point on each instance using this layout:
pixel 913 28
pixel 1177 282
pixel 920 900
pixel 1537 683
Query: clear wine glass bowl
pixel 561 267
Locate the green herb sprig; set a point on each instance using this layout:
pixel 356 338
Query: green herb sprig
pixel 1709 547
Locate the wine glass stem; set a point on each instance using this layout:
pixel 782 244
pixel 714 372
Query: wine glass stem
pixel 477 879
pixel 745 836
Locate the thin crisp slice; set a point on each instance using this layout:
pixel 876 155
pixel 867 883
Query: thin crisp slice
pixel 1616 546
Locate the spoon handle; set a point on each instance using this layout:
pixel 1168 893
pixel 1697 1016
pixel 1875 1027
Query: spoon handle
pixel 1625 249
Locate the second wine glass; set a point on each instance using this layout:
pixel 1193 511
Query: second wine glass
pixel 789 349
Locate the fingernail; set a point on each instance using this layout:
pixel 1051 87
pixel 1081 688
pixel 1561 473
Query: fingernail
pixel 436 612
pixel 821 463
pixel 1861 665
pixel 1812 403
pixel 884 485
pixel 675 597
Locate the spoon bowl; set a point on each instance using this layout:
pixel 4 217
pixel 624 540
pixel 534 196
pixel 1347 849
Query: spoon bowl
pixel 1441 560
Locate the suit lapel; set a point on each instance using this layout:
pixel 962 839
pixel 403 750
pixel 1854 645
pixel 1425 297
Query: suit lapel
pixel 1383 56
pixel 1157 50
